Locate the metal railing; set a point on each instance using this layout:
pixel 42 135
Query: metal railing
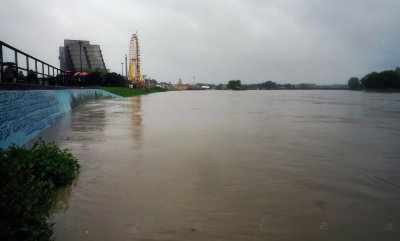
pixel 37 71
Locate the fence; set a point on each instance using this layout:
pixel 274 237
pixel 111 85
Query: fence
pixel 29 70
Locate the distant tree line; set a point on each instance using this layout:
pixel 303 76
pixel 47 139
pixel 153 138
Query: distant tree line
pixel 268 85
pixel 388 79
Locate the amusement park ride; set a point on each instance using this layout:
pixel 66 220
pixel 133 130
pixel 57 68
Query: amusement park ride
pixel 135 76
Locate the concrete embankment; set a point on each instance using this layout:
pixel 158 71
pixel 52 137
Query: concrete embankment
pixel 24 114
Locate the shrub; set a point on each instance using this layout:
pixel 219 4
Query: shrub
pixel 28 180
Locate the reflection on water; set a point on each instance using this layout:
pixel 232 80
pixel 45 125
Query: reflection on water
pixel 63 196
pixel 136 107
pixel 224 165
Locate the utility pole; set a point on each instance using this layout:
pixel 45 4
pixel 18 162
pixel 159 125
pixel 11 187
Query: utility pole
pixel 122 69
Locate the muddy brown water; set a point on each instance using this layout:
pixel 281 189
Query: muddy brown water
pixel 224 165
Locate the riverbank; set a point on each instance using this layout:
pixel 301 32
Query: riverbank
pixel 26 113
pixel 129 92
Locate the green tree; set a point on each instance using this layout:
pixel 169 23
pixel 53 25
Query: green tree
pixel 354 84
pixel 384 79
pixel 234 85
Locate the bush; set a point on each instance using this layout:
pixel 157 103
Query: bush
pixel 114 79
pixel 28 180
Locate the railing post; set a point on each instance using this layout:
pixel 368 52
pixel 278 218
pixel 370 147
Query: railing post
pixel 36 72
pixel 42 73
pixel 1 62
pixel 16 65
pixel 27 65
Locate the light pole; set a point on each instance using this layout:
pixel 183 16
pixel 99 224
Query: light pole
pixel 122 69
pixel 80 52
pixel 126 66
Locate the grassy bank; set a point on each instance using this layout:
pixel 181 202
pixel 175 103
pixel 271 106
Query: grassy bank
pixel 128 92
pixel 29 179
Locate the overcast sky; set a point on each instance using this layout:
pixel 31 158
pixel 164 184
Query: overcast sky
pixel 296 41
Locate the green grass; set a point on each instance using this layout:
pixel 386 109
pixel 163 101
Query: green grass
pixel 128 92
pixel 29 179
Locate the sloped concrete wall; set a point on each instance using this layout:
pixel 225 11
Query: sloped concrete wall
pixel 24 114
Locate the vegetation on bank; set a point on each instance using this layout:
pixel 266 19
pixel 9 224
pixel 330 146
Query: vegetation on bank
pixel 29 179
pixel 267 85
pixel 234 85
pixel 129 92
pixel 270 85
pixel 388 79
pixel 354 84
pixel 101 77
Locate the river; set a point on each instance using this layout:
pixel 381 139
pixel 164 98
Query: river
pixel 233 165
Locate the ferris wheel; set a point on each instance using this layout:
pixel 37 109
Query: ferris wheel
pixel 135 76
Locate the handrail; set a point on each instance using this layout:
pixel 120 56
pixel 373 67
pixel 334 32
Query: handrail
pixel 51 72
